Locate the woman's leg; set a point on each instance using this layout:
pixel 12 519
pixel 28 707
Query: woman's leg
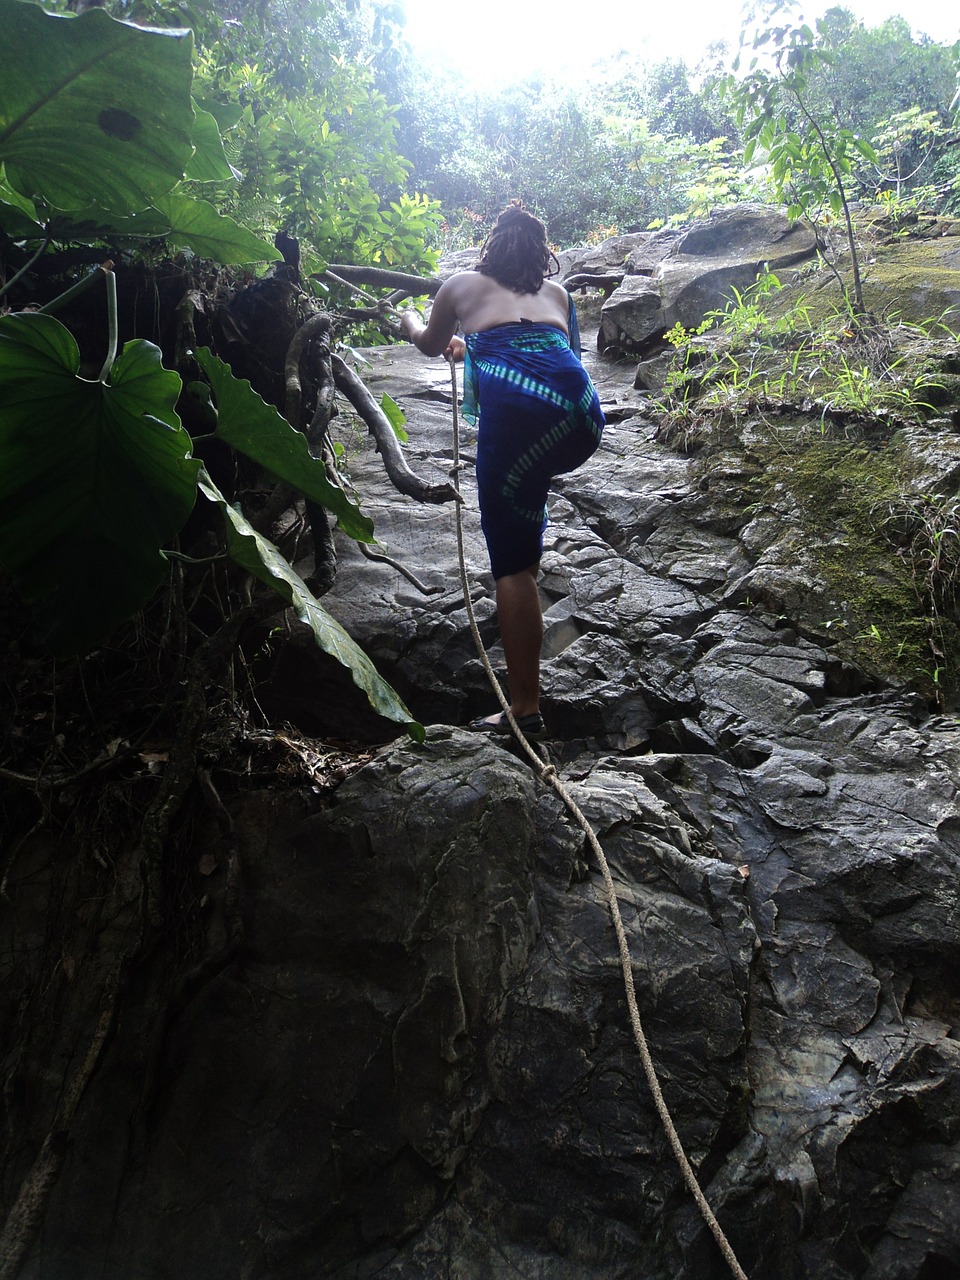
pixel 521 631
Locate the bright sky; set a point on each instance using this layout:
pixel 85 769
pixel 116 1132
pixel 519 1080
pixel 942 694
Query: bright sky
pixel 498 41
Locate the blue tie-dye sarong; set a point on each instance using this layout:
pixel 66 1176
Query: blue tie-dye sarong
pixel 539 416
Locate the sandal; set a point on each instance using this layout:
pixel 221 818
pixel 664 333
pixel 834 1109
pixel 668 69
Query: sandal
pixel 530 726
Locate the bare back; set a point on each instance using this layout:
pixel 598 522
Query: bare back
pixel 477 302
pixel 481 302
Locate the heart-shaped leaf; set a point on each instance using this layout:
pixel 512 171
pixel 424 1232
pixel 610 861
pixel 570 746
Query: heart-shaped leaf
pixel 209 234
pixel 94 479
pixel 208 163
pixel 18 216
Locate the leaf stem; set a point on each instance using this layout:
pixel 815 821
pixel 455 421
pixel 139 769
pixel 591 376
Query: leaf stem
pixel 180 555
pixel 81 286
pixel 27 265
pixel 112 327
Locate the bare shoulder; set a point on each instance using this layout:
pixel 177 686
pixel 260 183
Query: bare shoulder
pixel 557 291
pixel 463 284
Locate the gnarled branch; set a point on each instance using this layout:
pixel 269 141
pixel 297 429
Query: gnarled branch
pixel 319 324
pixel 413 286
pixel 393 460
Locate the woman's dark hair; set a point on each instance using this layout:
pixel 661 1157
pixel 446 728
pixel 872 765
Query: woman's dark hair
pixel 516 252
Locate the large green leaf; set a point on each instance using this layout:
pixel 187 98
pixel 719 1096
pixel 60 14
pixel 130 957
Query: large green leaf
pixel 93 224
pixel 93 111
pixel 226 114
pixel 208 163
pixel 209 234
pixel 249 424
pixel 395 416
pixel 265 562
pixel 94 478
pixel 18 215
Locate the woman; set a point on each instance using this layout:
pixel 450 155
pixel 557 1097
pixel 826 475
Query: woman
pixel 539 415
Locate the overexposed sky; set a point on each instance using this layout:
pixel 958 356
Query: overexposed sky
pixel 494 42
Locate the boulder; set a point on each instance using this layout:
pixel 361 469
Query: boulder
pixel 633 316
pixel 608 256
pixel 916 281
pixel 652 373
pixel 749 233
pixel 686 275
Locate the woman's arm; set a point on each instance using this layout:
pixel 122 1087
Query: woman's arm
pixel 437 337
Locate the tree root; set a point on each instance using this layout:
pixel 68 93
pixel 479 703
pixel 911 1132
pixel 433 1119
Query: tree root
pixel 317 326
pixel 394 462
pixel 25 1217
pixel 26 1214
pixel 412 578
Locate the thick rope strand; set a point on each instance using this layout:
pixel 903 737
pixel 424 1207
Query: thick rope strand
pixel 549 775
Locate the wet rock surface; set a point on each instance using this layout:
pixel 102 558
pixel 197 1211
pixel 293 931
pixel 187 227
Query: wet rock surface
pixel 419 1063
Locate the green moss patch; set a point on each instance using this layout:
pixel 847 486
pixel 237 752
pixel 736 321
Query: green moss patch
pixel 844 494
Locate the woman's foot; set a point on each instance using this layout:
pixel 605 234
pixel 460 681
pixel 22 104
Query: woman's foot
pixel 531 726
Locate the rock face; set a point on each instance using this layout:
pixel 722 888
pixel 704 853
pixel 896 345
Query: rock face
pixel 653 280
pixel 674 277
pixel 418 1064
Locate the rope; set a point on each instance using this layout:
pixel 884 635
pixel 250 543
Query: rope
pixel 548 774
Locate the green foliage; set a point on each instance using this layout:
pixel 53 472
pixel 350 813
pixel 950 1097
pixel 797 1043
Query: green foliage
pixel 836 111
pixel 946 166
pixel 904 143
pixel 888 557
pixel 580 160
pixel 662 94
pixel 95 477
pixel 92 111
pixel 395 416
pixel 405 225
pixel 208 162
pixel 809 155
pixel 259 557
pixel 927 525
pixel 196 224
pixel 97 129
pixel 315 161
pixel 311 143
pixel 104 140
pixel 871 564
pixel 759 358
pixel 673 178
pixel 535 144
pixel 871 73
pixel 639 145
pixel 247 423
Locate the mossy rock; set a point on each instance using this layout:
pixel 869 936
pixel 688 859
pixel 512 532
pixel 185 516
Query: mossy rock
pixel 913 279
pixel 851 482
pixel 917 278
pixel 844 554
